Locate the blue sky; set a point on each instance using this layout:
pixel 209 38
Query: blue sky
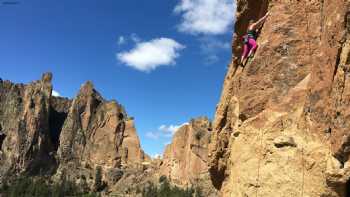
pixel 164 60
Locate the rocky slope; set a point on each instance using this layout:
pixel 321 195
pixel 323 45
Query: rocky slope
pixel 282 125
pixel 185 159
pixel 45 135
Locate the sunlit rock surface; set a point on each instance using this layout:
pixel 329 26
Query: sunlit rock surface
pixel 282 125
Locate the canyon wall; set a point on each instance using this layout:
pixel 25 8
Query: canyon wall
pixel 185 159
pixel 25 144
pixel 53 136
pixel 282 124
pixel 97 134
pixel 92 142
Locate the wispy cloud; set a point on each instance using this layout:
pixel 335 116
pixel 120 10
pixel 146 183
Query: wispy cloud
pixel 164 131
pixel 147 56
pixel 152 135
pixel 121 40
pixel 170 129
pixel 211 17
pixel 211 46
pixel 135 38
pixel 55 93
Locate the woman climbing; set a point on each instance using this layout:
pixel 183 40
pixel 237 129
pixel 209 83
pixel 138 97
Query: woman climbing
pixel 249 39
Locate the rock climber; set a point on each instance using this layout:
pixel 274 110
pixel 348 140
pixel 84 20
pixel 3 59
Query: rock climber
pixel 249 39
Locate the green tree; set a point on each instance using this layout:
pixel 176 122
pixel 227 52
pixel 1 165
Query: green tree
pixel 99 185
pixel 166 190
pixel 39 187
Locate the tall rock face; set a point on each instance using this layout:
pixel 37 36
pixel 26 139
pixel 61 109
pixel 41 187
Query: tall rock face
pixel 132 152
pixel 282 125
pixel 78 129
pixel 97 134
pixel 185 159
pixel 25 143
pixel 62 138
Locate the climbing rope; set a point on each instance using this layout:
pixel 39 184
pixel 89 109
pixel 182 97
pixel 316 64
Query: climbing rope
pixel 303 166
pixel 261 148
pixel 304 134
pixel 259 162
pixel 262 133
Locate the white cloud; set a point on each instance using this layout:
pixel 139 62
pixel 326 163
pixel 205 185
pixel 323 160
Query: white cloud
pixel 121 40
pixel 147 56
pixel 164 131
pixel 134 37
pixel 55 93
pixel 205 16
pixel 125 39
pixel 171 129
pixel 152 135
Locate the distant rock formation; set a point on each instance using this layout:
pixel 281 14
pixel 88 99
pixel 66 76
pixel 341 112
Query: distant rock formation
pixel 92 142
pixel 282 125
pixel 25 144
pixel 132 152
pixel 41 134
pixel 185 159
pixel 97 134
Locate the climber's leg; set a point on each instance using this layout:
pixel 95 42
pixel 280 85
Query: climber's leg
pixel 245 52
pixel 253 45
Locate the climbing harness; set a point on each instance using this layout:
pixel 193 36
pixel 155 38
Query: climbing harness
pixel 245 39
pixel 252 34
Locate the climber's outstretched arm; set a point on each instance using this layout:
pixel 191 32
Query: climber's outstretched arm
pixel 260 22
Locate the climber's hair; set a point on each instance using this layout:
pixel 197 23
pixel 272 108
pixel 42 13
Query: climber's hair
pixel 251 21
